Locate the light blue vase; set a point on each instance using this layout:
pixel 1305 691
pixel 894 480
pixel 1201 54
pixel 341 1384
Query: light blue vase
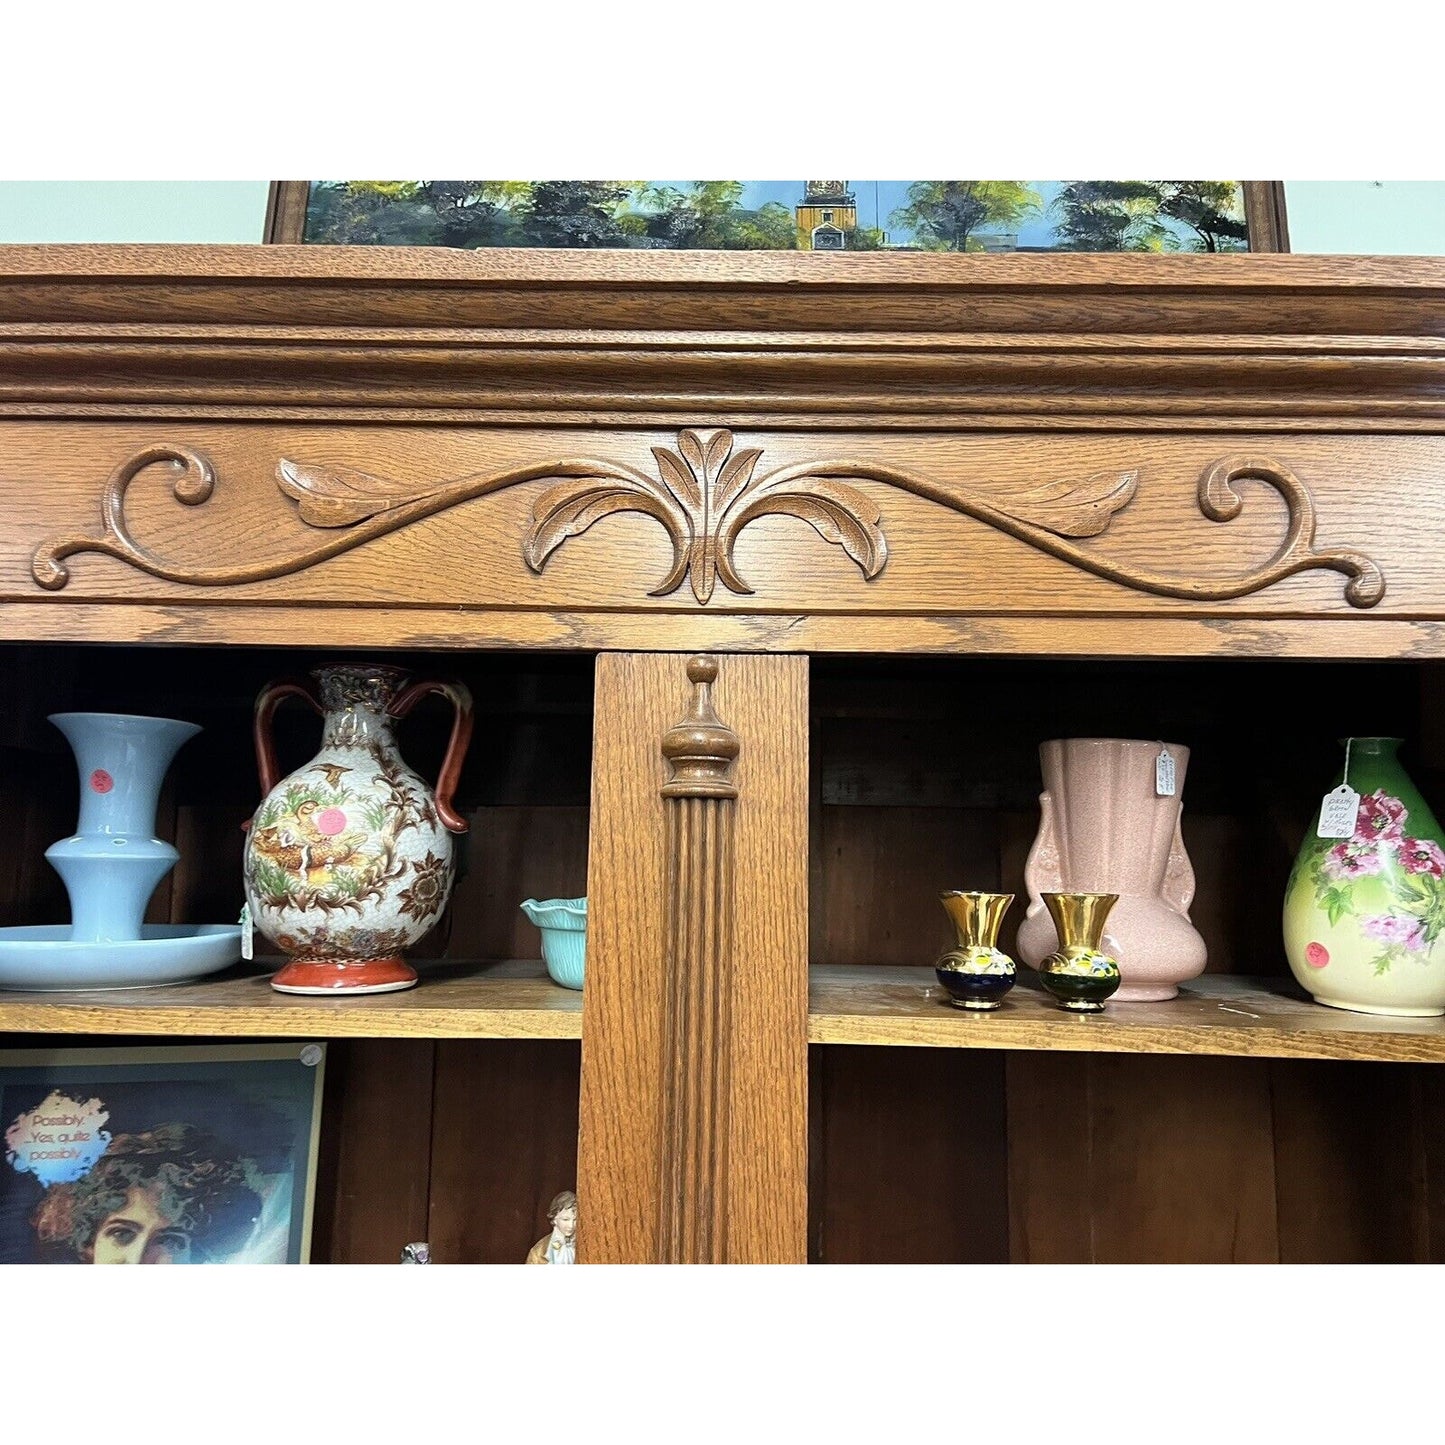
pixel 563 923
pixel 112 863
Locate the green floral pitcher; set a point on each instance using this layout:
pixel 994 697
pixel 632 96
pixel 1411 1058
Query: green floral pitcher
pixel 1364 913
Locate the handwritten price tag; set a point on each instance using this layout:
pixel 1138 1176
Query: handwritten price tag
pixel 248 934
pixel 1338 813
pixel 1164 774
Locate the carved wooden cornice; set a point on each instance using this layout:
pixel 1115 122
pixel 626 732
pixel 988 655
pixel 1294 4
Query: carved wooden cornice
pixel 704 495
pixel 885 341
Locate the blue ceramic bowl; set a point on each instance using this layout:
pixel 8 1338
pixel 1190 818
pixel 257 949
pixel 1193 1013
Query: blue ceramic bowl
pixel 563 924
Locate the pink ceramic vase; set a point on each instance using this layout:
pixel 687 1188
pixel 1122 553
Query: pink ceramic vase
pixel 1105 829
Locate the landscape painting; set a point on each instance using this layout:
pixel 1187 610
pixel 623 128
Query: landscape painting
pixel 990 216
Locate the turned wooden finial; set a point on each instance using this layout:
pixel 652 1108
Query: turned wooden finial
pixel 701 749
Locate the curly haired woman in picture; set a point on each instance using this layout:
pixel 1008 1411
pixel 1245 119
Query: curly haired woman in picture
pixel 170 1195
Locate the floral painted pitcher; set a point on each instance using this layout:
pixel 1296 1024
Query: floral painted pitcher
pixel 1364 914
pixel 349 860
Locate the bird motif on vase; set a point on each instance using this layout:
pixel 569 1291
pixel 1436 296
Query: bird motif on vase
pixel 313 840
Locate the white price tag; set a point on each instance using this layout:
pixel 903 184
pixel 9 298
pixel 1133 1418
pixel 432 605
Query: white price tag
pixel 248 934
pixel 1338 813
pixel 1164 774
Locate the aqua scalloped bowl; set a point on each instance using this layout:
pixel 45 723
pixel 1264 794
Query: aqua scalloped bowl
pixel 562 923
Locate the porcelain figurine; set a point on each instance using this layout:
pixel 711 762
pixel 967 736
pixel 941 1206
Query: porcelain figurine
pixel 110 866
pixel 975 973
pixel 349 860
pixel 1106 826
pixel 563 924
pixel 1364 913
pixel 559 1247
pixel 1079 974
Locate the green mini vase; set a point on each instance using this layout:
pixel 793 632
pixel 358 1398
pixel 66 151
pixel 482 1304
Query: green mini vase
pixel 1364 915
pixel 1080 975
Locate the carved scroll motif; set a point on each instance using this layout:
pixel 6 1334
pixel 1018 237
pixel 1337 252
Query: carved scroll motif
pixel 704 495
pixel 698 929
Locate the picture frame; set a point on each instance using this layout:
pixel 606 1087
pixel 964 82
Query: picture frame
pixel 1263 206
pixel 162 1155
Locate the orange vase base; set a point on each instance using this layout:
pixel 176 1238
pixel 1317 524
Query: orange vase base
pixel 345 975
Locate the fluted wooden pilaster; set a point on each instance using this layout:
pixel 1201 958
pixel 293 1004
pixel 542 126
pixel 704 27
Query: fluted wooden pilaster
pixel 700 793
pixel 694 1102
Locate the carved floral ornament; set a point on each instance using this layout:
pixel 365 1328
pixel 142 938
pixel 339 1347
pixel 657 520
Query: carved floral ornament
pixel 704 493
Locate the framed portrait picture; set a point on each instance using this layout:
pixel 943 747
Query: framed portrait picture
pixel 989 216
pixel 160 1155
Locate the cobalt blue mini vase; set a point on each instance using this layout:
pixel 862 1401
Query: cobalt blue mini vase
pixel 974 972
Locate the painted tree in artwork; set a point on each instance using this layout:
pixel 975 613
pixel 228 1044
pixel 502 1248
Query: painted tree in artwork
pixel 1110 216
pixel 416 213
pixel 1213 210
pixel 576 213
pixel 1134 216
pixel 476 213
pixel 709 215
pixel 943 215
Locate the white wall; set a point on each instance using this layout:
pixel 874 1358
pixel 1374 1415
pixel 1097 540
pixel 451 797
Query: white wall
pixel 132 210
pixel 1372 218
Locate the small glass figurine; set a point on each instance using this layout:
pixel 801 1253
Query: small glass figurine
pixel 1079 975
pixel 419 1253
pixel 559 1247
pixel 973 971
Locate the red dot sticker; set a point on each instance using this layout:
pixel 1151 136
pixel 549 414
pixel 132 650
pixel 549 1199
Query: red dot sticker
pixel 1317 955
pixel 101 781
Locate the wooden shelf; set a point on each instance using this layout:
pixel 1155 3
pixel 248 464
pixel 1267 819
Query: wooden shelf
pixel 511 1000
pixel 1216 1014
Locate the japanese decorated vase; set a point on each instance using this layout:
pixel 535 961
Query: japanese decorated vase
pixel 1105 827
pixel 1364 915
pixel 348 861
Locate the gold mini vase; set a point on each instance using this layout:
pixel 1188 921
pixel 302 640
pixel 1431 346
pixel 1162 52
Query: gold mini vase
pixel 974 972
pixel 1079 975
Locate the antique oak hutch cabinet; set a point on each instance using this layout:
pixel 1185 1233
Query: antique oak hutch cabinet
pixel 769 573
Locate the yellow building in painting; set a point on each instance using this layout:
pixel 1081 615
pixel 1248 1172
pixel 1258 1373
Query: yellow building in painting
pixel 827 214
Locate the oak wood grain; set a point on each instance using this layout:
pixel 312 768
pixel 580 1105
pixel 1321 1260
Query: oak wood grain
pixel 512 1000
pixel 1215 1014
pixel 934 377
pixel 285 222
pixel 912 1160
pixel 624 1148
pixel 374 1174
pixel 723 338
pixel 1118 1160
pixel 503 1143
pixel 1181 1161
pixel 1343 1162
pixel 475 496
pixel 451 629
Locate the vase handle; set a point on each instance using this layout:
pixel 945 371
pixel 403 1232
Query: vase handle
pixel 1178 887
pixel 1042 873
pixel 451 772
pixel 267 701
